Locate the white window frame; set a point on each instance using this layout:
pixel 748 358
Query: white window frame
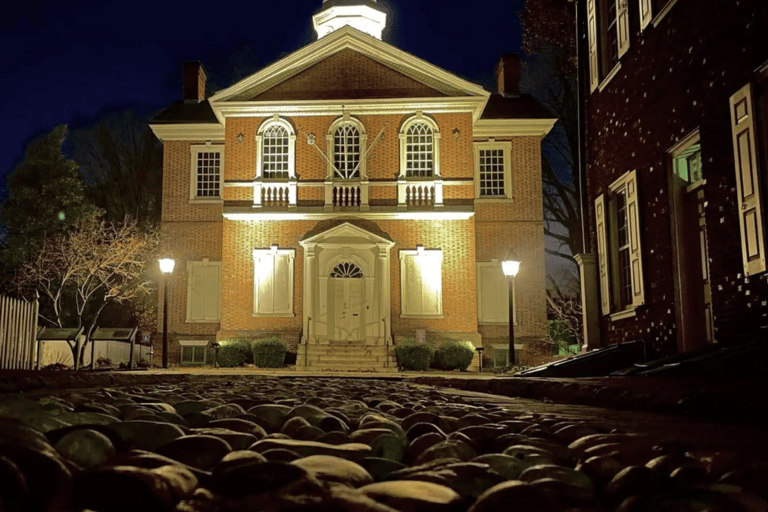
pixel 193 343
pixel 420 118
pixel 261 257
pixel 506 148
pixel 435 263
pixel 505 347
pixel 330 136
pixel 194 151
pixel 483 318
pixel 266 125
pixel 190 269
pixel 607 241
pixel 599 73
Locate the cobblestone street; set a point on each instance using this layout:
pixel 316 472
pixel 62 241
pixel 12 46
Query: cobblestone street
pixel 243 443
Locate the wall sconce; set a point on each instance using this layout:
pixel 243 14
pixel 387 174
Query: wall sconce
pixel 311 139
pixel 456 133
pixel 240 138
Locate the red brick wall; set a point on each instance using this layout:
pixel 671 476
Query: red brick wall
pixel 676 77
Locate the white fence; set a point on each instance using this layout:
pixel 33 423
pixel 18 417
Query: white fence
pixel 59 351
pixel 18 328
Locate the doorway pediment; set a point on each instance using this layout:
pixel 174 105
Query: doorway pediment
pixel 344 235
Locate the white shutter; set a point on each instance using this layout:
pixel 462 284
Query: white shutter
pixel 747 181
pixel 196 293
pixel 211 295
pixel 635 253
pixel 282 284
pixel 646 13
pixel 622 26
pixel 413 286
pixel 492 294
pixel 602 255
pixel 431 283
pixel 594 58
pixel 264 282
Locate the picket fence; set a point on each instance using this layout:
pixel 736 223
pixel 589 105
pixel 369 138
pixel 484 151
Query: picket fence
pixel 18 330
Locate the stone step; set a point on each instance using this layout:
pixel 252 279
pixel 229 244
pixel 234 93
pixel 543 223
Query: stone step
pixel 356 351
pixel 349 368
pixel 349 360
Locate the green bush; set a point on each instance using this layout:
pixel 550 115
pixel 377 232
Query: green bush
pixel 414 356
pixel 454 355
pixel 269 352
pixel 235 353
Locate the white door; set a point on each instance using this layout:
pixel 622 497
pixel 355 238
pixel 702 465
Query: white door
pixel 348 309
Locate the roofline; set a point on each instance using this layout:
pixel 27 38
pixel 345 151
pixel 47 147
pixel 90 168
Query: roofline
pixel 348 37
pixel 514 127
pixel 188 131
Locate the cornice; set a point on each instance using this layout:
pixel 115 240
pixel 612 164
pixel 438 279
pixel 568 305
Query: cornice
pixel 200 131
pixel 513 127
pixel 357 107
pixel 248 214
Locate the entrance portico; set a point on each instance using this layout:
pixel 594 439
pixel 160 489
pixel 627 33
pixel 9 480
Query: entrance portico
pixel 346 287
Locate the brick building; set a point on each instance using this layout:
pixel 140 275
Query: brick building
pixel 675 104
pixel 349 196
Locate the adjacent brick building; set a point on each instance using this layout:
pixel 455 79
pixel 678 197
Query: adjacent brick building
pixel 349 196
pixel 675 115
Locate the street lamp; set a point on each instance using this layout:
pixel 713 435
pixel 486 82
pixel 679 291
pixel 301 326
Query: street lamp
pixel 510 266
pixel 166 267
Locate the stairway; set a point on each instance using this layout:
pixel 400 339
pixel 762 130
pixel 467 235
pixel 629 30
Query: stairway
pixel 347 356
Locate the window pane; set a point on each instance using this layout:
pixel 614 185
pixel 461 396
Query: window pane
pixel 275 153
pixel 346 152
pixel 208 181
pixel 491 172
pixel 419 159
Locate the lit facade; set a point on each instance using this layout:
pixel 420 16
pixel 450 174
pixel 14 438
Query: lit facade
pixel 349 196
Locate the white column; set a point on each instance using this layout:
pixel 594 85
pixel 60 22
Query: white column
pixel 590 300
pixel 384 294
pixel 309 291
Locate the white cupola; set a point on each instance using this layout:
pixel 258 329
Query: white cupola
pixel 364 15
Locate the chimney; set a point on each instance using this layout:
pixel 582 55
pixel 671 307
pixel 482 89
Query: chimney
pixel 508 74
pixel 194 81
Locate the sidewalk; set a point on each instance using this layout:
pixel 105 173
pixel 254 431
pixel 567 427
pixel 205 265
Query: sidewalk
pixel 727 399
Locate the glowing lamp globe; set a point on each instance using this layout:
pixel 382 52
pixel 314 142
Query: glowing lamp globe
pixel 510 265
pixel 166 265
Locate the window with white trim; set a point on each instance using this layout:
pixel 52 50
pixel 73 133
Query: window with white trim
pixel 749 128
pixel 207 172
pixel 275 149
pixel 203 291
pixel 492 170
pixel 346 144
pixel 421 286
pixel 419 148
pixel 193 351
pixel 618 247
pixel 650 9
pixel 273 281
pixel 492 294
pixel 608 37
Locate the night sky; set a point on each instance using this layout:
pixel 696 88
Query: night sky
pixel 71 62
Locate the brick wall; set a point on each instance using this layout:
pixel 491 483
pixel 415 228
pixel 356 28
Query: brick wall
pixel 675 78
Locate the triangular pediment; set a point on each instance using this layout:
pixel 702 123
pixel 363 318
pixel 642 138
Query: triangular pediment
pixel 348 74
pixel 312 70
pixel 345 234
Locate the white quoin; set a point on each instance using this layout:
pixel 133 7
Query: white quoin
pixel 363 17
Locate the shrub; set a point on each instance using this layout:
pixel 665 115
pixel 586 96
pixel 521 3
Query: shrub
pixel 103 361
pixel 142 363
pixel 454 355
pixel 269 352
pixel 414 356
pixel 235 353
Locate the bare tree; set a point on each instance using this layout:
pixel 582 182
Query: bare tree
pixel 551 77
pixel 96 263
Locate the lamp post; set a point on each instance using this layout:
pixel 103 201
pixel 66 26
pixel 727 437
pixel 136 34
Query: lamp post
pixel 166 267
pixel 510 266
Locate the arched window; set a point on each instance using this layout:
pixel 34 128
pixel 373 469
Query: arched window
pixel 276 144
pixel 346 270
pixel 346 145
pixel 419 154
pixel 346 152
